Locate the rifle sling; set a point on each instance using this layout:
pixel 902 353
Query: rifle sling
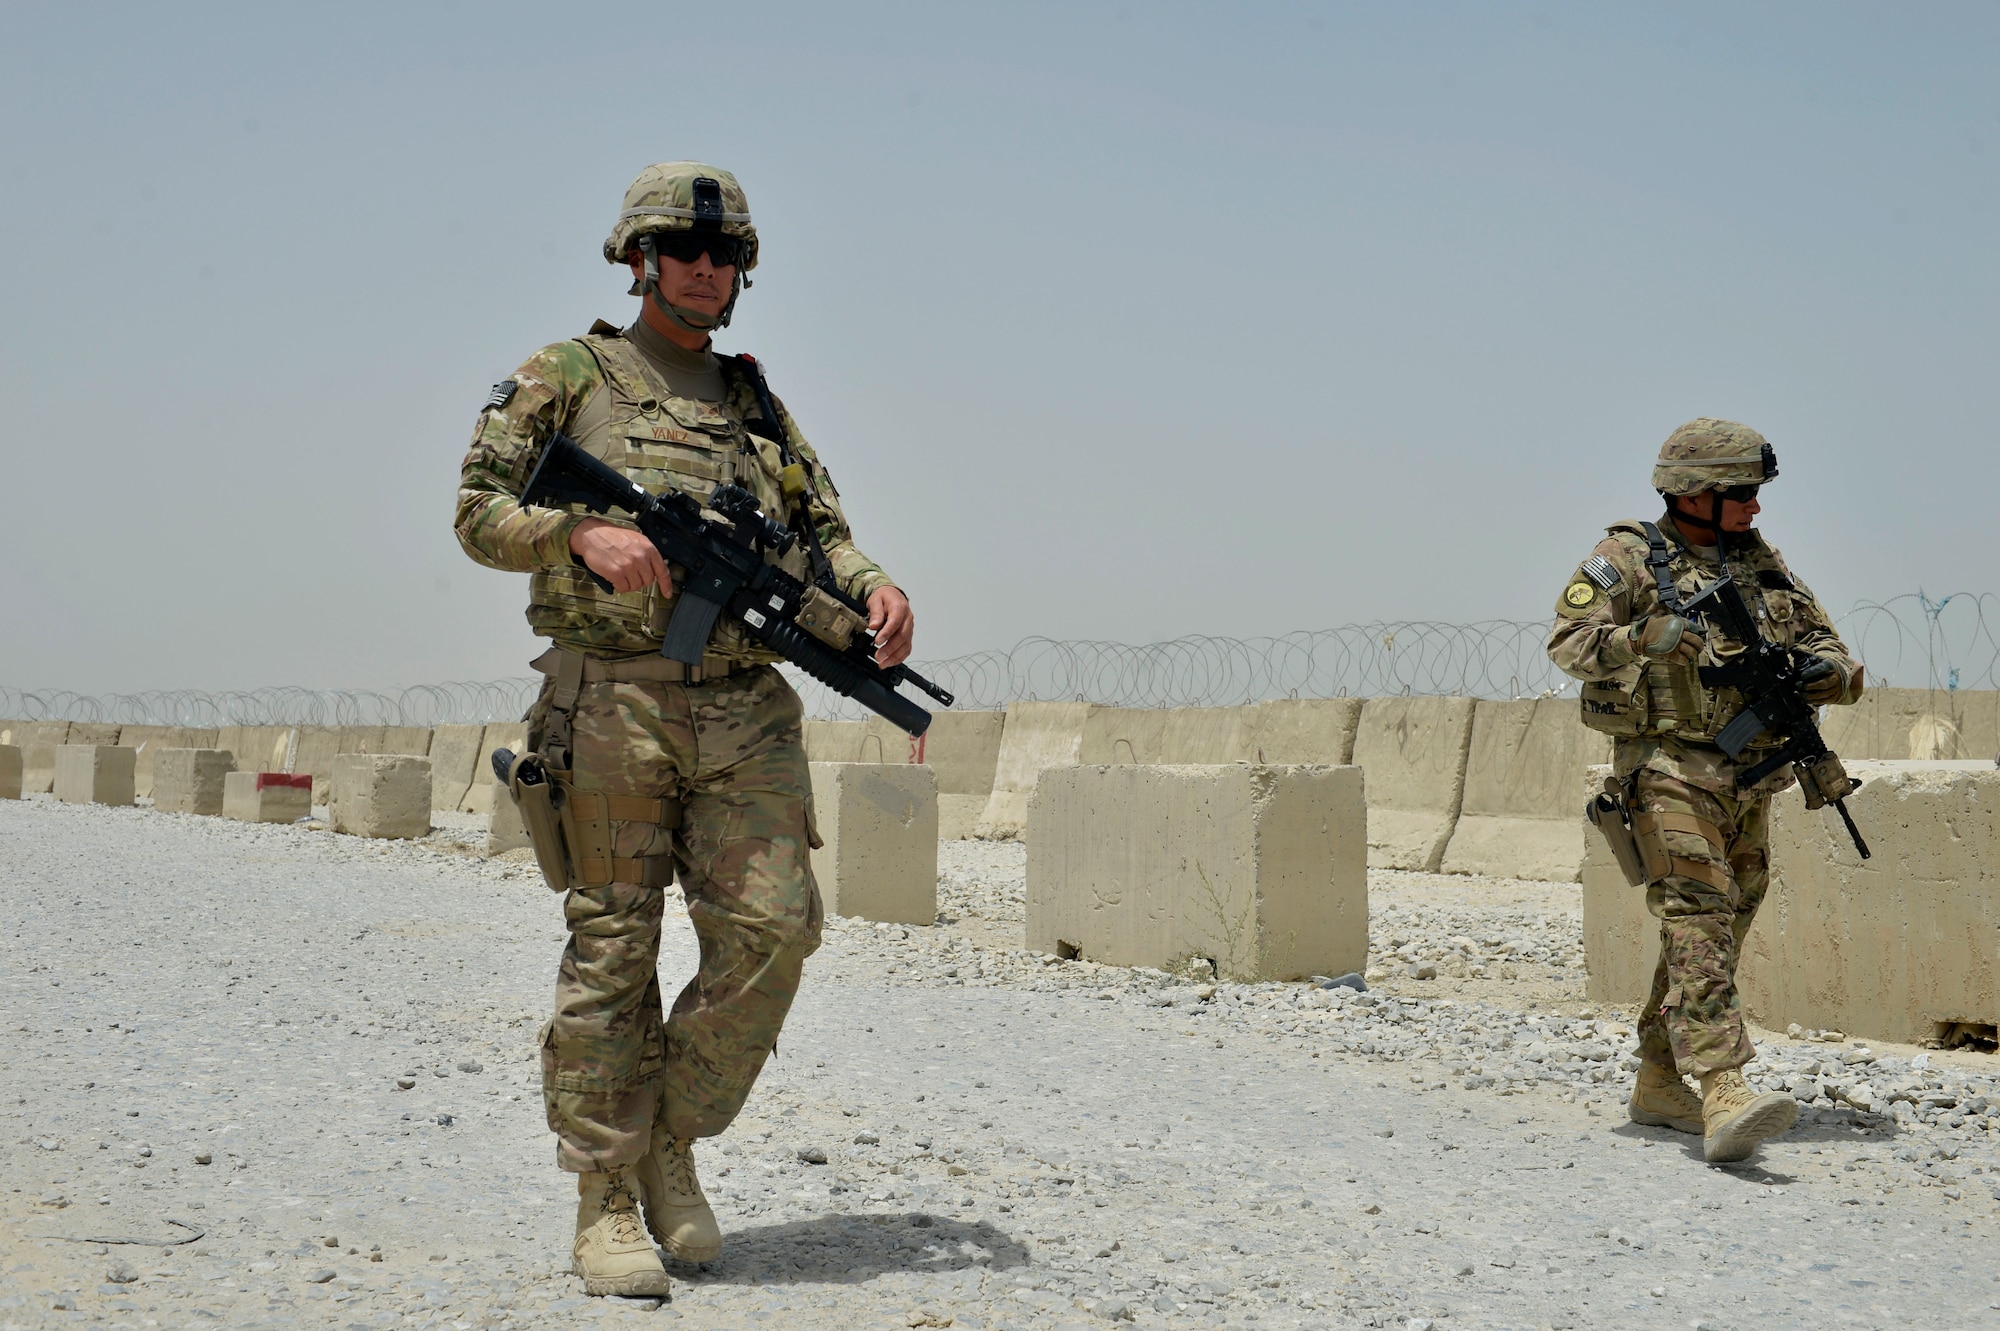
pixel 801 514
pixel 1659 559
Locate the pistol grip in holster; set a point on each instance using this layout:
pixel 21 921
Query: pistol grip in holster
pixel 538 794
pixel 1609 814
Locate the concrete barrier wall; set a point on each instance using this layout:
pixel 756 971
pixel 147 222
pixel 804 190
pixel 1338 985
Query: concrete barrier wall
pixel 1520 815
pixel 10 771
pixel 454 752
pixel 963 748
pixel 257 748
pixel 511 735
pixel 1887 948
pixel 1916 724
pixel 834 741
pixel 1304 730
pixel 1036 735
pixel 1128 735
pixel 1261 869
pixel 1414 751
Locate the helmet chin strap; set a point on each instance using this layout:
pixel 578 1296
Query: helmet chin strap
pixel 1713 522
pixel 694 321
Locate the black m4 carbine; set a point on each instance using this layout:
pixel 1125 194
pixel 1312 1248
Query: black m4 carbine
pixel 721 568
pixel 1772 680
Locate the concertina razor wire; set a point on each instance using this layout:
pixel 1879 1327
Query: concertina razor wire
pixel 1913 640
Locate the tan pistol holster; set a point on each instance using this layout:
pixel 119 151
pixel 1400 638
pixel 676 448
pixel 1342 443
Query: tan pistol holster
pixel 1609 814
pixel 570 829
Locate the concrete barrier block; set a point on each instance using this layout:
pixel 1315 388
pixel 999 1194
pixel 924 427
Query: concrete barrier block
pixel 879 826
pixel 1898 945
pixel 94 774
pixel 883 742
pixel 1295 731
pixel 1621 940
pixel 39 741
pixel 1414 751
pixel 146 742
pixel 267 797
pixel 454 753
pixel 7 732
pixel 93 733
pixel 509 735
pixel 1522 815
pixel 413 740
pixel 1036 736
pixel 1889 948
pixel 1262 870
pixel 191 780
pixel 382 795
pixel 10 771
pixel 834 741
pixel 1207 735
pixel 963 749
pixel 504 830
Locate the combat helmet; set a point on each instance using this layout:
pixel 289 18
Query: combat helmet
pixel 1709 456
pixel 680 197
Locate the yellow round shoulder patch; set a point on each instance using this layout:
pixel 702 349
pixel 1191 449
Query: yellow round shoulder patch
pixel 1580 594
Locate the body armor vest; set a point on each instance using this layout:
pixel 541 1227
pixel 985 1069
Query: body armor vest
pixel 634 423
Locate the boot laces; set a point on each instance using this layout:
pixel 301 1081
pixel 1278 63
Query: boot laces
pixel 678 1168
pixel 622 1211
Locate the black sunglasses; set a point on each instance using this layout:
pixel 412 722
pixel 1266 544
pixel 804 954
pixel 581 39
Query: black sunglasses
pixel 687 246
pixel 1740 494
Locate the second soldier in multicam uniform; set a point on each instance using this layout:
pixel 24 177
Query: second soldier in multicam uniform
pixel 701 771
pixel 1706 839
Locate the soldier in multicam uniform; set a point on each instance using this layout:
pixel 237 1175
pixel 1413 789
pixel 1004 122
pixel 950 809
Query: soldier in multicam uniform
pixel 701 769
pixel 1618 630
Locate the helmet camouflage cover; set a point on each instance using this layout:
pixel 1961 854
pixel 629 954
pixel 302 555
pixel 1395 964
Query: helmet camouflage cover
pixel 665 197
pixel 1711 454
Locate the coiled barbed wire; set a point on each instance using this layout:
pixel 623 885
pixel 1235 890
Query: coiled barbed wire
pixel 1913 640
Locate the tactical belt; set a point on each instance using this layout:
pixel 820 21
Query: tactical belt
pixel 634 670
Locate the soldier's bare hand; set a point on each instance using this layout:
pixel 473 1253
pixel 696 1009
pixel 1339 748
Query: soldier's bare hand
pixel 892 623
pixel 621 556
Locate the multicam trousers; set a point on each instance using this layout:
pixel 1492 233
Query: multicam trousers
pixel 612 1067
pixel 1693 1020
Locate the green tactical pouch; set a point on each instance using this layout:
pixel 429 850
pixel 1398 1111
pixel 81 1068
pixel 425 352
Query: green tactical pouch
pixel 1620 706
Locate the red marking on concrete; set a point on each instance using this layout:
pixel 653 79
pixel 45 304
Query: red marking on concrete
pixel 288 780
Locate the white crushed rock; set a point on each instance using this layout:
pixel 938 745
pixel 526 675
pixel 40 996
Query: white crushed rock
pixel 291 1039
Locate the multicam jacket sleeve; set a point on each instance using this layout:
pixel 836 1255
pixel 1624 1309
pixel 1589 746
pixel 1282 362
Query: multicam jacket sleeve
pixel 491 523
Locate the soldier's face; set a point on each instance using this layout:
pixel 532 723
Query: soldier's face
pixel 697 285
pixel 1739 515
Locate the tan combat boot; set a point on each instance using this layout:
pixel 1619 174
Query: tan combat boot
pixel 1737 1118
pixel 677 1213
pixel 612 1252
pixel 1660 1099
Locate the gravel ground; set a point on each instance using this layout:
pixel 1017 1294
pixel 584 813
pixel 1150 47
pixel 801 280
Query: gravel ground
pixel 317 1051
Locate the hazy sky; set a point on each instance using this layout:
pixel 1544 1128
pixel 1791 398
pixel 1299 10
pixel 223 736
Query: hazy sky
pixel 1117 321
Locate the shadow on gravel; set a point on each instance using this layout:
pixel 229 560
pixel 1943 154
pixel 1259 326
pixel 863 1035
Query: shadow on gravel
pixel 848 1249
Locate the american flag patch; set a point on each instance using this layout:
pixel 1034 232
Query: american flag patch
pixel 1601 571
pixel 502 394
